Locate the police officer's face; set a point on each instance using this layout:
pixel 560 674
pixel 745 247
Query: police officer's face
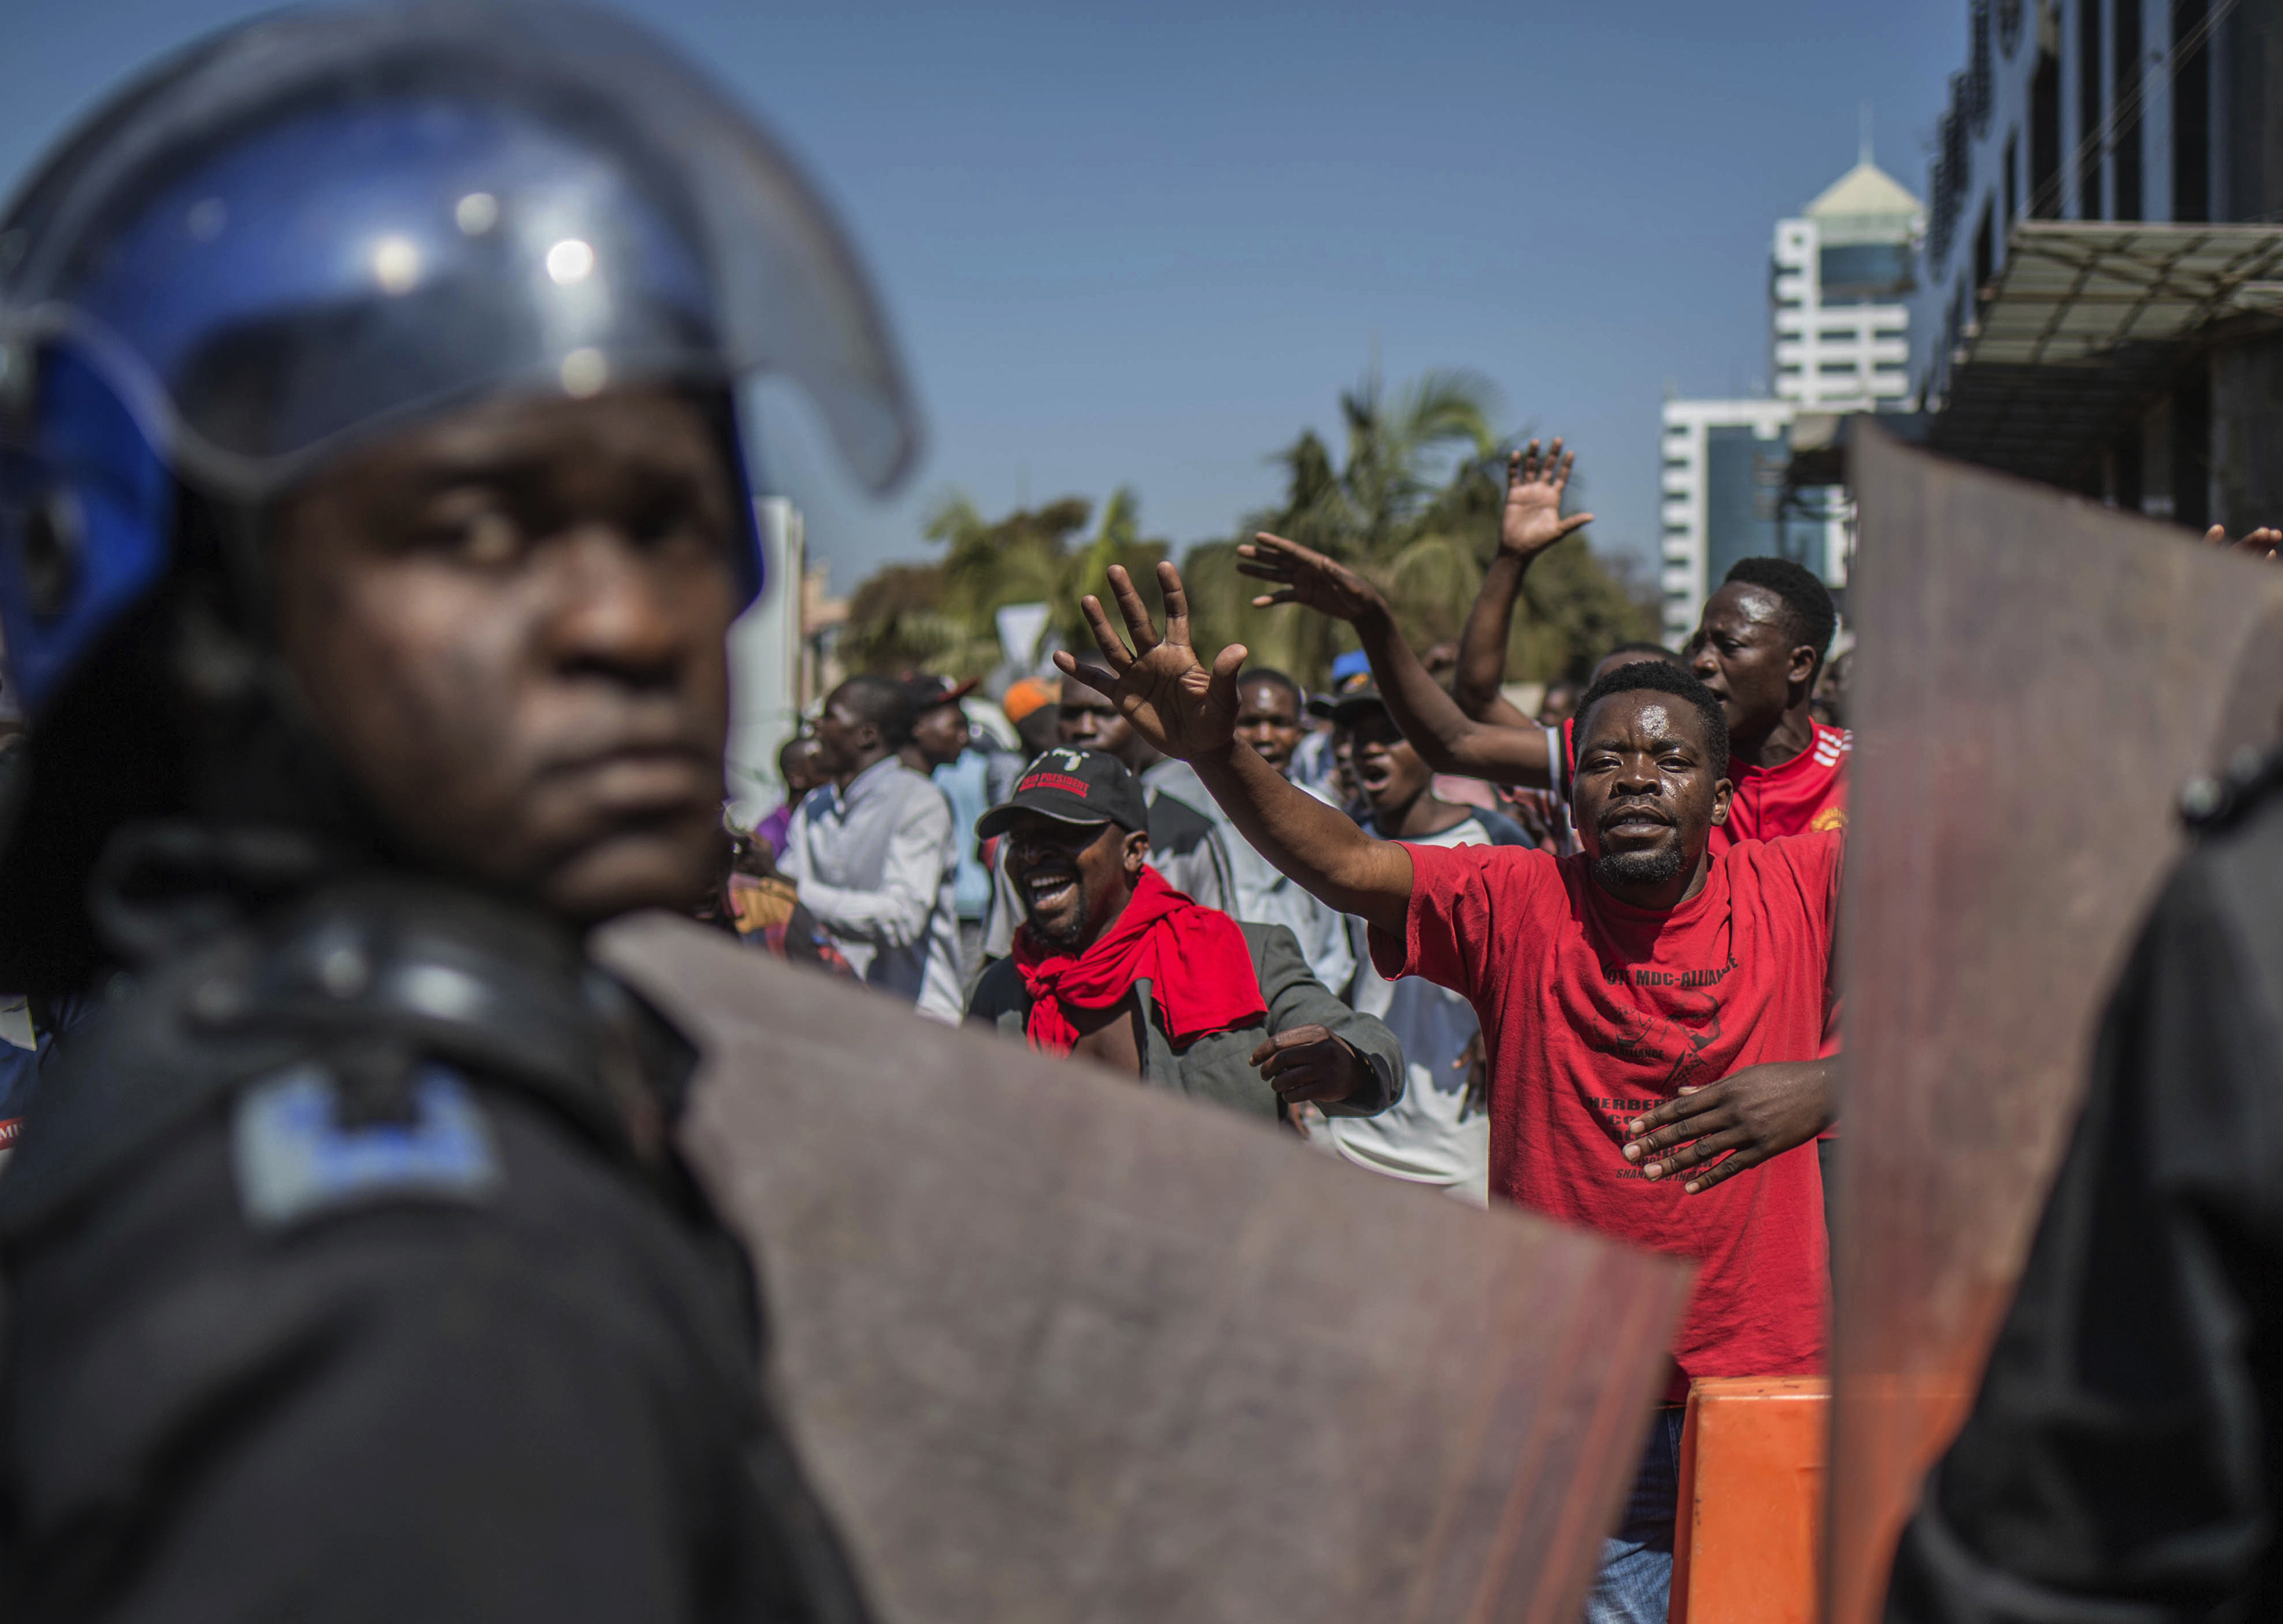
pixel 509 627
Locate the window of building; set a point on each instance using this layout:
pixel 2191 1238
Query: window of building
pixel 2007 181
pixel 2045 136
pixel 2191 115
pixel 2090 110
pixel 2127 77
pixel 1867 270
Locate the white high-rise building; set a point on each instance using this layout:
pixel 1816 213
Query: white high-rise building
pixel 1840 340
pixel 1841 333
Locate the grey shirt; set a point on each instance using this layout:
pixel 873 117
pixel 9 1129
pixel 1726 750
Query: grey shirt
pixel 1218 1066
pixel 876 864
pixel 1260 893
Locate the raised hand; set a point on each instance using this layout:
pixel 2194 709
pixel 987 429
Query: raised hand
pixel 1306 578
pixel 1171 700
pixel 1532 521
pixel 2261 544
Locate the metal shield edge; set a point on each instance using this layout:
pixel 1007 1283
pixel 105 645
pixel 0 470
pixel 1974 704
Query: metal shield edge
pixel 1056 1346
pixel 2035 678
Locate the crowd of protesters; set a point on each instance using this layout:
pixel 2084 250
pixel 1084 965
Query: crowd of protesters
pixel 1579 959
pixel 368 671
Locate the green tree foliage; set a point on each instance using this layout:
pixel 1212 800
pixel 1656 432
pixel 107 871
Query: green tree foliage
pixel 1415 506
pixel 943 615
pixel 1412 501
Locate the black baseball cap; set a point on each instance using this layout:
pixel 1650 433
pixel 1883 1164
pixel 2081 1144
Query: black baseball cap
pixel 1075 786
pixel 1354 702
pixel 1350 675
pixel 927 690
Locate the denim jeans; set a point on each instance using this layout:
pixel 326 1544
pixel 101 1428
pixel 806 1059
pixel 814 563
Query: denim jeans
pixel 1635 1583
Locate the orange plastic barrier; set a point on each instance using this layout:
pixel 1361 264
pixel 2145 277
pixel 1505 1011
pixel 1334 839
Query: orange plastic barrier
pixel 1748 1544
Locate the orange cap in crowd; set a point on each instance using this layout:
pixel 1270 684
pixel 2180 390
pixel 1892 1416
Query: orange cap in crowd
pixel 1027 696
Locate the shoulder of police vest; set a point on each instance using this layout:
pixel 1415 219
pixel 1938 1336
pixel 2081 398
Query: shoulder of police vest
pixel 350 1040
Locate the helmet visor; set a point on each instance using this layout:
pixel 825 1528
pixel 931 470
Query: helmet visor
pixel 330 223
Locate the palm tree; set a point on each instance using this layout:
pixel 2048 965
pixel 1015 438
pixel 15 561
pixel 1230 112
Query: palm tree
pixel 943 616
pixel 1422 530
pixel 1412 501
pixel 1385 509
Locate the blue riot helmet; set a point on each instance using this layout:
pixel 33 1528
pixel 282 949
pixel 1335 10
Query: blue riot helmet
pixel 320 226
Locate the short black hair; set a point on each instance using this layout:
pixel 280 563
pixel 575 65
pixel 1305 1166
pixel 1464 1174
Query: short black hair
pixel 1642 646
pixel 800 740
pixel 1655 676
pixel 1270 674
pixel 1807 601
pixel 881 701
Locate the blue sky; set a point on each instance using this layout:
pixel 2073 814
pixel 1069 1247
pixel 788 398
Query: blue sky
pixel 1147 244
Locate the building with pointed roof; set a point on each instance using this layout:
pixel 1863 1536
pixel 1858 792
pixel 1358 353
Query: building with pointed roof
pixel 1839 339
pixel 1843 275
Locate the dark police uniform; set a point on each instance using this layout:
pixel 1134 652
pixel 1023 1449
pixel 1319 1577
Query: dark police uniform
pixel 348 1276
pixel 2125 1460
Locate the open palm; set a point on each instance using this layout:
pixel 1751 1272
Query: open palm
pixel 1534 483
pixel 1171 700
pixel 1304 577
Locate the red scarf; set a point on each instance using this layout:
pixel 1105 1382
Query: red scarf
pixel 1199 969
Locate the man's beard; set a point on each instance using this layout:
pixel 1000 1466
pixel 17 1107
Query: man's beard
pixel 1617 870
pixel 1071 936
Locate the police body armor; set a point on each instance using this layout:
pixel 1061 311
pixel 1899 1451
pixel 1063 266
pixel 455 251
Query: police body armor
pixel 359 1206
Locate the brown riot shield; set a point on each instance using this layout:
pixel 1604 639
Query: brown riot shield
pixel 1059 1347
pixel 2036 679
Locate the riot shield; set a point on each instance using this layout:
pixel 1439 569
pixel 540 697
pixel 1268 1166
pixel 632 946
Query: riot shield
pixel 1059 1347
pixel 2037 679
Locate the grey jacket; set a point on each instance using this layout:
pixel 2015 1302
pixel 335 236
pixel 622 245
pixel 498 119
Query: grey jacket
pixel 1218 1066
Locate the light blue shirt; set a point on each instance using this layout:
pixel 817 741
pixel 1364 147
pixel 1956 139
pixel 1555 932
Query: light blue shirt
pixel 966 784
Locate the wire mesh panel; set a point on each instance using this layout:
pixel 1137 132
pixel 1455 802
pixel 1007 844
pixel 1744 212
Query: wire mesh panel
pixel 1059 1347
pixel 2037 679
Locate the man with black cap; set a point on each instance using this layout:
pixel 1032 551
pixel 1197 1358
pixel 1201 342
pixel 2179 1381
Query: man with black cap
pixel 1113 964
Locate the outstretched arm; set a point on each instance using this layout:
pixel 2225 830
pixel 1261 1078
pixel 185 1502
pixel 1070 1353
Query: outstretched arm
pixel 1185 709
pixel 1446 738
pixel 1531 523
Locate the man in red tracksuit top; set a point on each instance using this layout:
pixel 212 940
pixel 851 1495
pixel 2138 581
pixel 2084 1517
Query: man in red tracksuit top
pixel 1606 983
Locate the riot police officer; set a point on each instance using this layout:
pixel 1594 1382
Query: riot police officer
pixel 372 511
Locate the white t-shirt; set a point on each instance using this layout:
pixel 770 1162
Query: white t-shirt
pixel 1427 1136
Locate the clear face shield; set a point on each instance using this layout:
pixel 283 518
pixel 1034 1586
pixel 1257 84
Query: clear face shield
pixel 323 225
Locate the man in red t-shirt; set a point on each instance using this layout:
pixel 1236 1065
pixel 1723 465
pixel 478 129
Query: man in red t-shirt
pixel 1606 983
